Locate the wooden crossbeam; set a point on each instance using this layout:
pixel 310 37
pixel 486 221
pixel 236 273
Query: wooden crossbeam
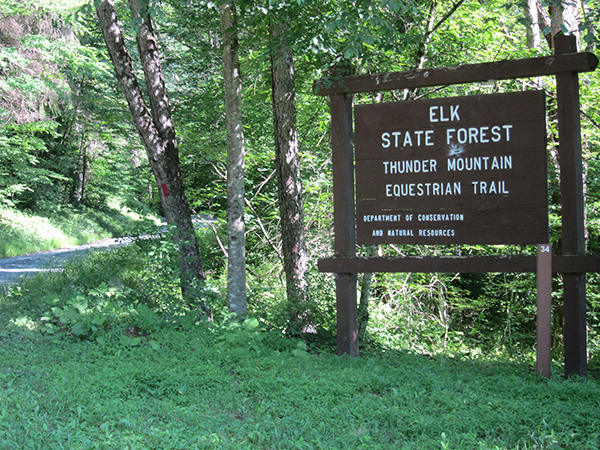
pixel 459 264
pixel 446 76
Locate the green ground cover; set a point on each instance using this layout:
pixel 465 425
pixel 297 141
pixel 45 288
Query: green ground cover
pixel 105 355
pixel 191 391
pixel 89 360
pixel 23 233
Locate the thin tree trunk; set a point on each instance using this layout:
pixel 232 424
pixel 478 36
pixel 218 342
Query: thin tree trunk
pixel 562 15
pixel 587 18
pixel 289 182
pixel 236 261
pixel 432 27
pixel 156 131
pixel 365 294
pixel 79 172
pixel 534 38
pixel 565 18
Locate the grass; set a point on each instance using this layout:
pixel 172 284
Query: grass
pixel 193 392
pixel 101 356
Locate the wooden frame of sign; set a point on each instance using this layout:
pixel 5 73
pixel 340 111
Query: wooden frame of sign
pixel 473 170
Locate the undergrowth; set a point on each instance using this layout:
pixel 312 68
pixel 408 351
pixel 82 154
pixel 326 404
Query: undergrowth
pixel 238 387
pixel 106 355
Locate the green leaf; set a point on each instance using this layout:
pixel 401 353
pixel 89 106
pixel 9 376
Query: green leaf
pixel 251 324
pixel 52 299
pixel 79 329
pixel 73 315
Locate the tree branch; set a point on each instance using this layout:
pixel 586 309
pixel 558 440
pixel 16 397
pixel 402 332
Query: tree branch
pixel 262 227
pixel 125 73
pixel 155 83
pixel 446 16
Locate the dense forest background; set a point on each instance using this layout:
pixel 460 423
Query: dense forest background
pixel 73 168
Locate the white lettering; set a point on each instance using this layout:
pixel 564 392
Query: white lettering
pixel 385 137
pixel 432 114
pixel 483 135
pixel 428 138
pixel 419 134
pixel 400 233
pixel 382 218
pixel 492 187
pixel 431 233
pixel 434 110
pixel 454 113
pixel 410 166
pixel 496 136
pixel 478 135
pixel 442 118
pixel 479 163
pixel 441 217
pixel 416 138
pixel 473 135
pixel 423 189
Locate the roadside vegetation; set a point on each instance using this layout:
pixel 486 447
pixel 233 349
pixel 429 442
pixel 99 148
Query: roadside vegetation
pixel 22 232
pixel 105 355
pixel 206 388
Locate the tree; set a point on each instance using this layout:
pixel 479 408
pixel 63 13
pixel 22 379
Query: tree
pixel 236 251
pixel 156 129
pixel 532 17
pixel 562 16
pixel 289 181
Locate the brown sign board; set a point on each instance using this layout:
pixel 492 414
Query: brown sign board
pixel 461 170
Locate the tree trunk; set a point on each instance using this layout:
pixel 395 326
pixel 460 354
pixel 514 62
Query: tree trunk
pixel 365 294
pixel 236 252
pixel 534 38
pixel 289 182
pixel 156 130
pixel 561 16
pixel 80 166
pixel 565 18
pixel 81 171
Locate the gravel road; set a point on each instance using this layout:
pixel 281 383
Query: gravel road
pixel 11 269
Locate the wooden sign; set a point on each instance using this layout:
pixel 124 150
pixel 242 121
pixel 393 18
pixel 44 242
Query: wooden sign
pixel 447 141
pixel 462 170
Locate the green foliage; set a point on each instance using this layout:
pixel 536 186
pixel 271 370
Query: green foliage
pixel 184 389
pixel 25 178
pixel 63 133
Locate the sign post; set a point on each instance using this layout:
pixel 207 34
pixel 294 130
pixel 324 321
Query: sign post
pixel 343 221
pixel 544 310
pixel 573 227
